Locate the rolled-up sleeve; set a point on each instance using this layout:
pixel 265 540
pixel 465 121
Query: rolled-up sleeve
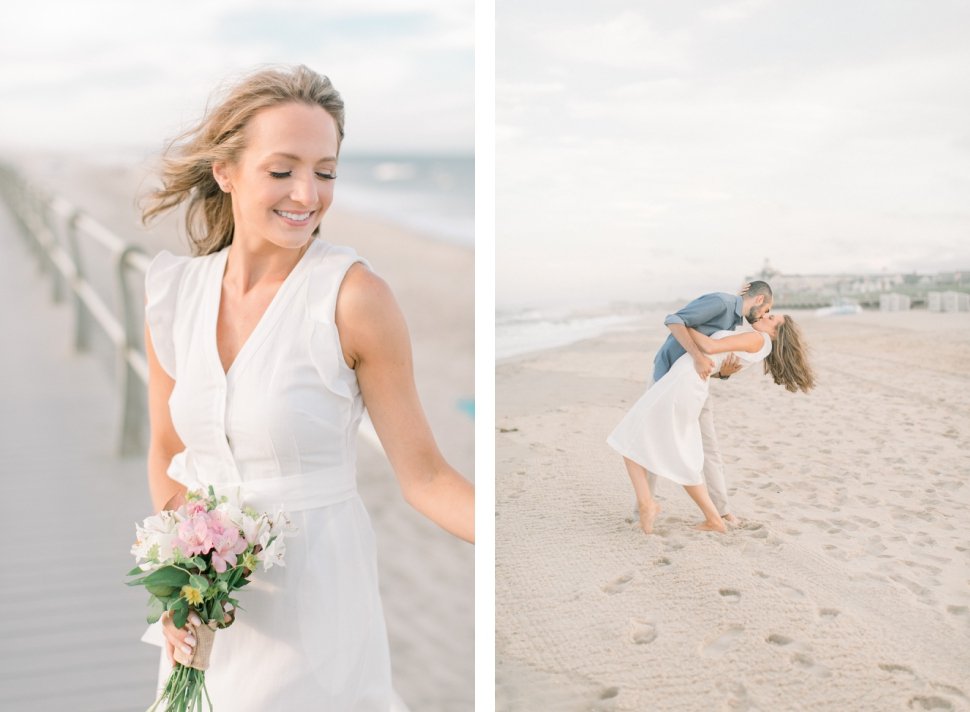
pixel 700 311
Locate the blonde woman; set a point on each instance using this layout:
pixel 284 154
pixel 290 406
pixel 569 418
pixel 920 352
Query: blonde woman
pixel 264 349
pixel 661 434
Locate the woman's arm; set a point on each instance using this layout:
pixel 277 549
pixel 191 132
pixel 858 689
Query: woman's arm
pixel 376 343
pixel 749 341
pixel 164 442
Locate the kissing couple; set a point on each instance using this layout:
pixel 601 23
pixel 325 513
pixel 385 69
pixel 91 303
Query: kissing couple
pixel 669 432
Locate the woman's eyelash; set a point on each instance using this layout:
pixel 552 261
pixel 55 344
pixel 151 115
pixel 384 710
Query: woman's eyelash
pixel 287 174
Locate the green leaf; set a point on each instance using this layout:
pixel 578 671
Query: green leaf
pixel 180 612
pixel 215 610
pixel 135 571
pixel 199 563
pixel 168 576
pixel 160 591
pixel 199 582
pixel 155 608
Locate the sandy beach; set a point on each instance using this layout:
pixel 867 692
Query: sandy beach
pixel 845 588
pixel 427 576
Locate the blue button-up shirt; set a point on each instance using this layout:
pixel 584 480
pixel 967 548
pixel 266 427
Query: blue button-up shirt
pixel 708 313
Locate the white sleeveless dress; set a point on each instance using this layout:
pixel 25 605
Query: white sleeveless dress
pixel 279 429
pixel 662 430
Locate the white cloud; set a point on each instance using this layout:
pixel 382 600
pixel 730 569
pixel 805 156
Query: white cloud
pixel 103 72
pixel 728 141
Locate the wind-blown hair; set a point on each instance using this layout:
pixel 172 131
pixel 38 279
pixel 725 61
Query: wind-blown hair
pixel 218 137
pixel 788 361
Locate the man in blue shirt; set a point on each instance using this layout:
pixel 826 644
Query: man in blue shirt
pixel 709 313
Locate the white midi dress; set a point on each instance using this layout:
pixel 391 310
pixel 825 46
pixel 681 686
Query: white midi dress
pixel 279 430
pixel 662 430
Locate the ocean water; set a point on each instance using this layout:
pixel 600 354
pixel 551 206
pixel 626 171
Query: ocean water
pixel 525 331
pixel 431 194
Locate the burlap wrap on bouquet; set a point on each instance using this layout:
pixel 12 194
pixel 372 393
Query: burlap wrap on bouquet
pixel 199 657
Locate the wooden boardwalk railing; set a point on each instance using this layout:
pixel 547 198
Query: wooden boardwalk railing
pixel 69 625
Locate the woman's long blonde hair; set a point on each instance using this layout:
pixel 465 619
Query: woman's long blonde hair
pixel 788 361
pixel 218 137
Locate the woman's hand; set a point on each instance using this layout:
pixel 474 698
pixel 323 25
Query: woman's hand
pixel 180 642
pixel 729 366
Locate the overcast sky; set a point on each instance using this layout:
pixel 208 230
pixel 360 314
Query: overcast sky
pixel 653 150
pixel 92 73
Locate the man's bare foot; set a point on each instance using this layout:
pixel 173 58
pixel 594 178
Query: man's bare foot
pixel 731 520
pixel 708 526
pixel 648 513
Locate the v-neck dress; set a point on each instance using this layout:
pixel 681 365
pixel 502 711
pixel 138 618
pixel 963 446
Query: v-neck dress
pixel 279 430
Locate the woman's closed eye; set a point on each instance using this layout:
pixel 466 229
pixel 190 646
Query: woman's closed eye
pixel 320 174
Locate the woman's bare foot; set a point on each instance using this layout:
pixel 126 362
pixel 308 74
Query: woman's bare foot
pixel 709 526
pixel 648 513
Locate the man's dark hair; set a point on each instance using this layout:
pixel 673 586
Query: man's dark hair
pixel 758 287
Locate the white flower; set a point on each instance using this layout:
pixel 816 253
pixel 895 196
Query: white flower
pixel 154 539
pixel 253 528
pixel 272 555
pixel 233 512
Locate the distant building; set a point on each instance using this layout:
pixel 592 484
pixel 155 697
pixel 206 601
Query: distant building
pixel 894 302
pixel 901 291
pixel 948 301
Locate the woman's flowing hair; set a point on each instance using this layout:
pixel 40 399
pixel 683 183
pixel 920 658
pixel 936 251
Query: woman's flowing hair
pixel 218 137
pixel 788 361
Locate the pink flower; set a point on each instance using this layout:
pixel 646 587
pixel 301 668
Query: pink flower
pixel 195 507
pixel 211 532
pixel 227 544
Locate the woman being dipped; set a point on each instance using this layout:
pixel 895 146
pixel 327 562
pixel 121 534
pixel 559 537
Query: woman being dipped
pixel 661 432
pixel 264 349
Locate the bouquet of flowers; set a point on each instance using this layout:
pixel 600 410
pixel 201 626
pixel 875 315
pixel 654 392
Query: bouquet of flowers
pixel 191 559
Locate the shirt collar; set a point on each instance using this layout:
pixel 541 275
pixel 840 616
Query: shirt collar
pixel 738 307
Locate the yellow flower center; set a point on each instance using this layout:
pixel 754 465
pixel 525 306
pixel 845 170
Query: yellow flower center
pixel 192 595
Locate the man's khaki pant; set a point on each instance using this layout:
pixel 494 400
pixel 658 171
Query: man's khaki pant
pixel 713 466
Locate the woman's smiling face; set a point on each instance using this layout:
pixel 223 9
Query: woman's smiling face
pixel 282 183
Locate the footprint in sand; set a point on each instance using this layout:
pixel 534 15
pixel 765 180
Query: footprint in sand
pixel 932 702
pixel 730 595
pixel 663 561
pixel 948 689
pixel 777 639
pixel 716 647
pixel 898 671
pixel 736 696
pixel 828 613
pixel 642 631
pixel 807 663
pixel 618 584
pixel 795 594
pixel 609 693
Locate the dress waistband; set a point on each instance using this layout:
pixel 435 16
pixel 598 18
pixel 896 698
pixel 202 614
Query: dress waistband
pixel 293 493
